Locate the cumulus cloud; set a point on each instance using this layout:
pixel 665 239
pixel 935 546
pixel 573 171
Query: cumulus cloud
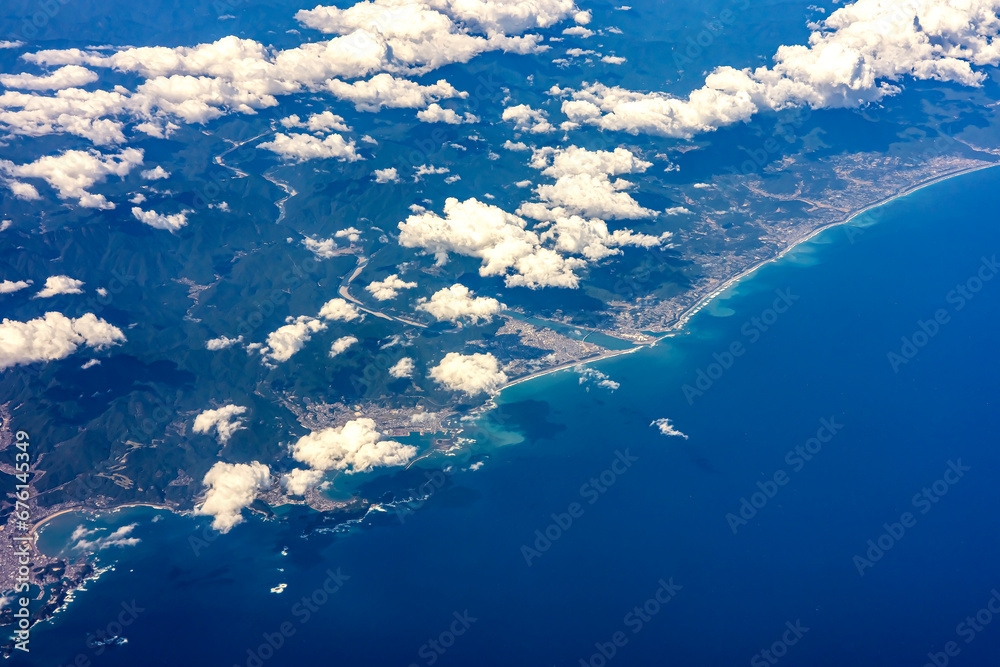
pixel 664 426
pixel 583 184
pixel 221 343
pixel 354 447
pixel 231 487
pixel 593 375
pixel 72 172
pixel 70 76
pixel 171 222
pixel 387 175
pixel 526 119
pixel 351 234
pixel 59 285
pixel 285 341
pixel 322 123
pixel 428 170
pixel 300 480
pixel 8 286
pixel 388 288
pixel 342 344
pixel 339 309
pixel 402 368
pixel 456 304
pixel 435 113
pixel 196 84
pixel 222 420
pixel 302 147
pixel 470 374
pixel 53 336
pixel 385 90
pixel 613 60
pixel 155 174
pixel 321 248
pixel 117 538
pixel 498 238
pixel 854 57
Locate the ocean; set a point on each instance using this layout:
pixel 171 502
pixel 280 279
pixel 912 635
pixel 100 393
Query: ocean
pixel 833 502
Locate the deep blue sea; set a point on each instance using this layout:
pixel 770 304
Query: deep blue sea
pixel 811 425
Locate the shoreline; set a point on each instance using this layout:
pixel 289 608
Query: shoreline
pixel 682 320
pixel 88 510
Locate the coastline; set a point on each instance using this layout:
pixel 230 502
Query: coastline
pixel 88 510
pixel 682 320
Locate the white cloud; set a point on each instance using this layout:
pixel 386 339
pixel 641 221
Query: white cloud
pixel 385 90
pixel 171 222
pixel 155 174
pixel 389 287
pixel 613 60
pixel 8 44
pixel 664 426
pixel 196 84
pixel 426 169
pixel 221 343
pixel 322 123
pixel 470 374
pixel 677 210
pixel 300 480
pixel 70 76
pixel 339 309
pixel 402 368
pixel 117 538
pixel 388 175
pixel 351 234
pixel 53 336
pixel 455 304
pixel 579 31
pixel 498 238
pixel 285 341
pixel 354 447
pixel 321 248
pixel 854 57
pixel 72 172
pixel 301 147
pixel 515 145
pixel 583 184
pixel 592 374
pixel 526 119
pixel 59 285
pixel 222 420
pixel 8 286
pixel 231 487
pixel 435 113
pixel 341 345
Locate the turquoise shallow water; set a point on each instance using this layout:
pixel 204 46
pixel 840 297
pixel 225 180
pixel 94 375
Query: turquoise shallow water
pixel 745 537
